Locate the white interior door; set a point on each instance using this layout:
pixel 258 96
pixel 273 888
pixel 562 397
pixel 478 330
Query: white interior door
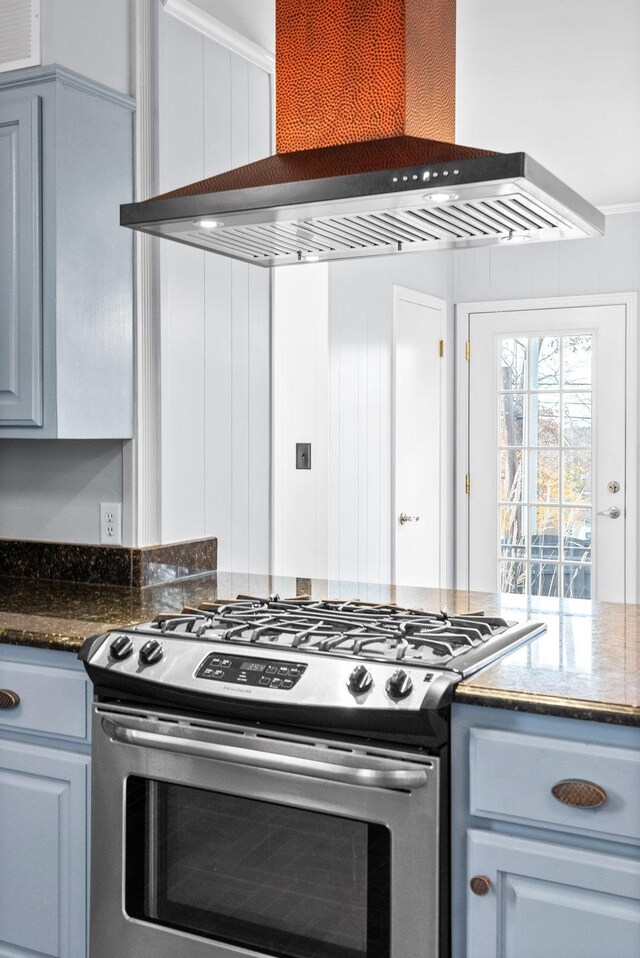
pixel 419 509
pixel 550 496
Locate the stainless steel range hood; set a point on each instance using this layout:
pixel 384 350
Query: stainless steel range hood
pixel 389 193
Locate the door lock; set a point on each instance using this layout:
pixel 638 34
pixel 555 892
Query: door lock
pixel 613 486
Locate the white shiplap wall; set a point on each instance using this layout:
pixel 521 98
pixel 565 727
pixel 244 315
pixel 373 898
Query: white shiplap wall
pixel 360 371
pixel 214 114
pixel 604 264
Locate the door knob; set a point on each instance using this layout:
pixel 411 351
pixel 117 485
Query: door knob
pixel 613 512
pixel 405 518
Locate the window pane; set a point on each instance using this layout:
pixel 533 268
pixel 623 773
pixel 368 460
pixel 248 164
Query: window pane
pixel 545 363
pixel 512 419
pixel 545 466
pixel 512 531
pixel 577 419
pixel 576 482
pixel 513 364
pixel 577 360
pixel 544 532
pixel 576 581
pixel 544 578
pixel 513 577
pixel 576 534
pixel 545 421
pixel 511 476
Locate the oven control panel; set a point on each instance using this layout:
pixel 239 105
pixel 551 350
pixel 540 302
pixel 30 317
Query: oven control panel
pixel 242 670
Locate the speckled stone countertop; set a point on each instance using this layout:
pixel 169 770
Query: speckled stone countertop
pixel 586 665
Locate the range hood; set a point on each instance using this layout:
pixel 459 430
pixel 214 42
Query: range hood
pixel 364 163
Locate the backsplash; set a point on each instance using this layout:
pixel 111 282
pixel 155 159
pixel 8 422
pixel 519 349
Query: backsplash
pixel 108 565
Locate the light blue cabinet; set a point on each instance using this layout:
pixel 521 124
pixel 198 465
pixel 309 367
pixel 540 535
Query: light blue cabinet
pixel 558 880
pixel 66 265
pixel 44 784
pixel 548 900
pixel 20 270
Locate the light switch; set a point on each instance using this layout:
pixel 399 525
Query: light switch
pixel 303 455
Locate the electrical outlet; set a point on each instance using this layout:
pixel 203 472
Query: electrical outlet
pixel 111 523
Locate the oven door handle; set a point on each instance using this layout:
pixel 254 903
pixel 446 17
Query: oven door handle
pixel 348 769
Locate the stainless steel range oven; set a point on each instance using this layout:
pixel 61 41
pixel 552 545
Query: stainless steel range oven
pixel 270 779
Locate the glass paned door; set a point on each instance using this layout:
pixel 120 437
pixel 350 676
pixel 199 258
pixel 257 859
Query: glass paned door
pixel 547 452
pixel 544 461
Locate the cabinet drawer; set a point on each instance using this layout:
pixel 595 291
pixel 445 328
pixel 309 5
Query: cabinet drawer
pixel 52 700
pixel 512 774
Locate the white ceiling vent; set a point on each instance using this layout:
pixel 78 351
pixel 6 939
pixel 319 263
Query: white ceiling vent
pixel 19 34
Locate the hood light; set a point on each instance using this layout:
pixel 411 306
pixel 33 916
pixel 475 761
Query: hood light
pixel 311 258
pixel 210 224
pixel 440 197
pixel 514 238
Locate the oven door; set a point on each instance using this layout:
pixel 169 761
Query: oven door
pixel 211 841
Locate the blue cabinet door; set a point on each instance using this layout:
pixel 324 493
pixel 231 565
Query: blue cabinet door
pixel 20 276
pixel 551 901
pixel 43 885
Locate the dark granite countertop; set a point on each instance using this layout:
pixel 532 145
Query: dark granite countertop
pixel 586 665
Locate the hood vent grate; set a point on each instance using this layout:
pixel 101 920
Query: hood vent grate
pixel 512 218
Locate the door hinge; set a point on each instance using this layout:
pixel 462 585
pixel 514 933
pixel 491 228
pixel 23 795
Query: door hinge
pixel 441 348
pixel 467 350
pixel 467 484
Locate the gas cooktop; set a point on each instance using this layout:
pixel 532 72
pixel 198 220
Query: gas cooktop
pixel 312 655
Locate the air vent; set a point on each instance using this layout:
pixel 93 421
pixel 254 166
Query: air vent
pixel 512 218
pixel 19 34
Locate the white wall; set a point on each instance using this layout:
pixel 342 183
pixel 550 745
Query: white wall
pixel 558 80
pixel 300 409
pixel 360 371
pixel 214 113
pixel 91 37
pixel 606 264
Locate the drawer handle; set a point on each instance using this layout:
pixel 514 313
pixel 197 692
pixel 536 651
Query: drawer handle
pixel 579 793
pixel 9 699
pixel 480 884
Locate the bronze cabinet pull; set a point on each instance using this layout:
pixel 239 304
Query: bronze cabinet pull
pixel 480 884
pixel 578 793
pixel 9 699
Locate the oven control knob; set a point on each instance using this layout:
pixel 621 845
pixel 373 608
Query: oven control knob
pixel 360 680
pixel 399 685
pixel 121 647
pixel 151 652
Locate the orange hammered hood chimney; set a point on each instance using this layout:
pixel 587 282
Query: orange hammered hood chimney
pixel 365 162
pixel 352 71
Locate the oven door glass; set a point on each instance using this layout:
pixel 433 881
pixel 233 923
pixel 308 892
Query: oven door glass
pixel 275 879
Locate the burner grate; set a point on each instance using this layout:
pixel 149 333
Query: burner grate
pixel 336 627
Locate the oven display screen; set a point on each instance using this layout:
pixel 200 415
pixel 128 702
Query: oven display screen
pixel 253 666
pixel 264 673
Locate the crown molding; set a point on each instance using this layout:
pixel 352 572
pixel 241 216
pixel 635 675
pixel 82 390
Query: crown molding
pixel 620 208
pixel 215 29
